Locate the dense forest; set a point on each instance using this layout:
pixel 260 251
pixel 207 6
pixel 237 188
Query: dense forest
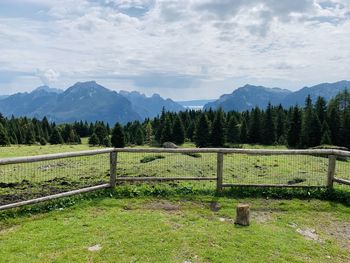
pixel 315 123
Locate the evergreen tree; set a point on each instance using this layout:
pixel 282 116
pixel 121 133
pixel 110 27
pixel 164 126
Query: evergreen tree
pixel 316 131
pixel 178 131
pixel 101 131
pixel 56 137
pixel 4 139
pixel 244 131
pixel 139 136
pixel 167 131
pixel 307 122
pixel 42 141
pixel 118 138
pixel 269 135
pixel 294 131
pixel 30 135
pixel 321 108
pixel 345 129
pixel 218 130
pixel 254 133
pixel 326 138
pixel 334 122
pixel 202 135
pixel 281 126
pixel 233 135
pixel 106 142
pixel 149 133
pixel 93 140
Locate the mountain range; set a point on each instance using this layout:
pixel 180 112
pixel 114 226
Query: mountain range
pixel 85 101
pixel 92 102
pixel 249 96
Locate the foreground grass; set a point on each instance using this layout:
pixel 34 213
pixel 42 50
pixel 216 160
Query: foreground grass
pixel 178 229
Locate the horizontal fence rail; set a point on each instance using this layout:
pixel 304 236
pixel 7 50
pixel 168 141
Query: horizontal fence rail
pixel 29 180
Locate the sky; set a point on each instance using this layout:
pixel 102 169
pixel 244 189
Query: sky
pixel 185 49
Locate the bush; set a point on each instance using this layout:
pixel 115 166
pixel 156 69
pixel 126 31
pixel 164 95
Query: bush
pixel 148 159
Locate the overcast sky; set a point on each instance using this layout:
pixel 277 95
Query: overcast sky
pixel 189 49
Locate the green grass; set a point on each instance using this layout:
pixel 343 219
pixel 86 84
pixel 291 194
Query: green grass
pixel 179 229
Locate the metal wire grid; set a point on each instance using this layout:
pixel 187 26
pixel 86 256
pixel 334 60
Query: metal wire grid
pixel 168 165
pixel 301 170
pixel 342 171
pixel 26 181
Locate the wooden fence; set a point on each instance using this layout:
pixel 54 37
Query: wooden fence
pixel 219 178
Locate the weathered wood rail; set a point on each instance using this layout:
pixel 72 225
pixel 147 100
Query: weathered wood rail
pixel 113 177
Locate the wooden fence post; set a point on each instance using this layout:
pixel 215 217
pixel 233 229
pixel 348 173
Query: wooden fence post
pixel 331 170
pixel 219 171
pixel 112 168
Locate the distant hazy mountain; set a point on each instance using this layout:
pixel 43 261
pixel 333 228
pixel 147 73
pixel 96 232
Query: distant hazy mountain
pixel 86 101
pixel 248 97
pixel 326 90
pixel 83 101
pixel 3 97
pixel 48 89
pixel 150 106
pixel 194 104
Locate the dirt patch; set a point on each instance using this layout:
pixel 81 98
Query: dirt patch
pixel 261 217
pixel 214 206
pixel 340 231
pixel 309 234
pixel 162 205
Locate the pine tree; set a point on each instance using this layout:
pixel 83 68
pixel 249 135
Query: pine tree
pixel 93 140
pixel 30 135
pixel 118 138
pixel 307 122
pixel 106 142
pixel 294 131
pixel 280 126
pixel 4 139
pixel 326 138
pixel 269 134
pixel 139 136
pixel 178 131
pixel 254 133
pixel 167 131
pixel 345 129
pixel 333 120
pixel 321 108
pixel 233 135
pixel 244 131
pixel 218 130
pixel 149 133
pixel 315 133
pixel 202 135
pixel 56 137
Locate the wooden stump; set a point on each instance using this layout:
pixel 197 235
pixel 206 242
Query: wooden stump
pixel 243 215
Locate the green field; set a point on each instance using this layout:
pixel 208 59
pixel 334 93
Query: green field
pixel 182 229
pixel 24 181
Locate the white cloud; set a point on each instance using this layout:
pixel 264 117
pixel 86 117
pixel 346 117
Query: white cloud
pixel 194 43
pixel 48 76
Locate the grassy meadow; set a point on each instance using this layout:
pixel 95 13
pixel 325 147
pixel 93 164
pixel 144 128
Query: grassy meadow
pixel 179 229
pixel 176 228
pixel 24 181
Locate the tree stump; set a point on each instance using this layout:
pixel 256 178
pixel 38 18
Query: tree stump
pixel 243 215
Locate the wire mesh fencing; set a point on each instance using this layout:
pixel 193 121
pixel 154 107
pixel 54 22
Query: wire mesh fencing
pixel 25 181
pixel 195 169
pixel 342 171
pixel 37 177
pixel 289 170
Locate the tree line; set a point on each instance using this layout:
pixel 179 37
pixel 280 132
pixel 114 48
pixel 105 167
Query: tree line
pixel 315 123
